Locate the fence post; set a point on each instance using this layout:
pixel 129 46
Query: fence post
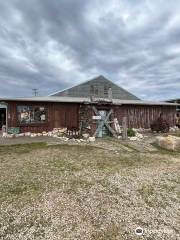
pixel 124 127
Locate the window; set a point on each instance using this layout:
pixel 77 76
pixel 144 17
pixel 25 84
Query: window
pixel 94 90
pixel 105 91
pixel 32 114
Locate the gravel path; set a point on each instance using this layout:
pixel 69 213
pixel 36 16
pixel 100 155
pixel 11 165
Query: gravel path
pixel 110 144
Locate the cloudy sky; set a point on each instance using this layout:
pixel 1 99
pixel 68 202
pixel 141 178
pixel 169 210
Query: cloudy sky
pixel 51 45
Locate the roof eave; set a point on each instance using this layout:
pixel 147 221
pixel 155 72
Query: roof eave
pixel 87 100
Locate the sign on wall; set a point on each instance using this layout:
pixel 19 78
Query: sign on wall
pixel 96 117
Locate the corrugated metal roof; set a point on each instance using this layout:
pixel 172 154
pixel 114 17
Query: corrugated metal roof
pixel 48 99
pixel 87 100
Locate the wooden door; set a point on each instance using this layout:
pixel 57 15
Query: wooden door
pixel 57 118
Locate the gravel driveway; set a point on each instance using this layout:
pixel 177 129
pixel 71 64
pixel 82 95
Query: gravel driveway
pixel 101 191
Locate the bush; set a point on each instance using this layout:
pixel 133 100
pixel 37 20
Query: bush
pixel 160 125
pixel 131 132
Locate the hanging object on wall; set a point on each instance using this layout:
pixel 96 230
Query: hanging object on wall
pixel 103 122
pixel 117 126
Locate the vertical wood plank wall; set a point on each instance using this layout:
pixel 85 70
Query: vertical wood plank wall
pixel 59 115
pixel 143 116
pixel 70 115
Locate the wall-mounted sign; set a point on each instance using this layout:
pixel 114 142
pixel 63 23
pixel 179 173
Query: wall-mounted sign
pixel 96 117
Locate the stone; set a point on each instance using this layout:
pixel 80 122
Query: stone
pixel 139 135
pixel 92 139
pixel 169 142
pixel 4 134
pixel 27 134
pixel 55 136
pixel 133 138
pixel 85 135
pixel 21 134
pixel 9 135
pixel 62 130
pixel 65 139
pixel 33 135
pixel 72 139
pixel 173 129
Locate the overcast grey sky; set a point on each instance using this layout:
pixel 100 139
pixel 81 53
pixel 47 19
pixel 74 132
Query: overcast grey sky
pixel 54 44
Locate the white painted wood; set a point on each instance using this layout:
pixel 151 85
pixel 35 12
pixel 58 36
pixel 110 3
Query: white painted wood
pixel 96 117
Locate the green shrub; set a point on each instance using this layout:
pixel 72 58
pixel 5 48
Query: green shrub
pixel 131 132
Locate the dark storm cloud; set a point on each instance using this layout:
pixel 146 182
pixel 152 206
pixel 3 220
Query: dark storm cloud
pixel 51 45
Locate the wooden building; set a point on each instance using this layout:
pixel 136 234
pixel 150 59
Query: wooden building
pixel 73 108
pixel 177 101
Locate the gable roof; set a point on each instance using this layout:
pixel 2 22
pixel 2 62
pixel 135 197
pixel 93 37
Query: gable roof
pixel 97 87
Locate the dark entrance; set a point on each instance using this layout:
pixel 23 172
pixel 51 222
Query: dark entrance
pixel 2 117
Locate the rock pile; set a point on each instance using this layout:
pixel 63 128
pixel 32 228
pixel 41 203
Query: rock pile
pixel 174 129
pixel 138 136
pixel 59 133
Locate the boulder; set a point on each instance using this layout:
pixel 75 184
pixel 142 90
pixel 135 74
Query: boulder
pixel 169 142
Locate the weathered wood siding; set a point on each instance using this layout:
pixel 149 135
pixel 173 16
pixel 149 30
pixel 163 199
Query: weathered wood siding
pixel 143 116
pixel 71 114
pixel 137 116
pixel 59 115
pixel 65 115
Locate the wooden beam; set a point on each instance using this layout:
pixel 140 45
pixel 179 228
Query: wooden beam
pixel 124 126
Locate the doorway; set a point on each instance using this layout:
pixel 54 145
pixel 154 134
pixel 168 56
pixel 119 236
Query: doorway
pixel 103 130
pixel 2 117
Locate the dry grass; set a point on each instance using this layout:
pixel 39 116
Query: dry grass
pixel 86 192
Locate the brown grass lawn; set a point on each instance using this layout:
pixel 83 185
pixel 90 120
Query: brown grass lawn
pixel 86 192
